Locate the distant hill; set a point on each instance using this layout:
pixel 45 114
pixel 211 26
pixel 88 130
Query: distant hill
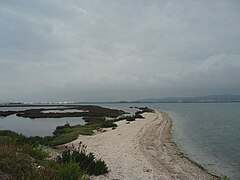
pixel 211 98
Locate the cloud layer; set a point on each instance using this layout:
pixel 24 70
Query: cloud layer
pixel 53 50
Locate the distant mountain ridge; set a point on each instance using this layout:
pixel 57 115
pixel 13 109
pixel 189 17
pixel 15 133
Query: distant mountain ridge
pixel 210 98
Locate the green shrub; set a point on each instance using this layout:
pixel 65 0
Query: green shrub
pixel 25 161
pixel 138 116
pixel 70 171
pixel 121 118
pixel 138 112
pixel 130 118
pixel 146 109
pixel 98 168
pixel 86 161
pixel 108 124
pixel 8 133
pixel 21 161
pixel 66 157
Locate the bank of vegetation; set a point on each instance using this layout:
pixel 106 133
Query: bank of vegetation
pixel 138 114
pixel 23 158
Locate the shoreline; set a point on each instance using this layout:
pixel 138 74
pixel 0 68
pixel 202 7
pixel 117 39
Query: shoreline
pixel 143 149
pixel 180 153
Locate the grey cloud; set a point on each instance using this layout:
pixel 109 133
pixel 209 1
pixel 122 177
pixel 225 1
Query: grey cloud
pixel 112 50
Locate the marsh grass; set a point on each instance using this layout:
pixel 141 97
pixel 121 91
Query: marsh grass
pixel 71 133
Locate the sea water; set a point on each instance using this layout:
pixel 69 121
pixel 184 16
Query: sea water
pixel 208 133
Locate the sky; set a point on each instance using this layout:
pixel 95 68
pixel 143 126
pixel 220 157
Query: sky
pixel 110 50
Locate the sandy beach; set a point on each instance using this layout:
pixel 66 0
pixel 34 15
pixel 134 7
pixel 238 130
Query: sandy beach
pixel 142 149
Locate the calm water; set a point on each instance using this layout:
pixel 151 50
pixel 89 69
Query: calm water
pixel 208 133
pixel 38 126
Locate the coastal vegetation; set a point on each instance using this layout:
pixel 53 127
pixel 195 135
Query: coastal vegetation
pixel 86 161
pixel 90 113
pixel 6 113
pixel 71 133
pixel 24 157
pixel 62 135
pixel 137 114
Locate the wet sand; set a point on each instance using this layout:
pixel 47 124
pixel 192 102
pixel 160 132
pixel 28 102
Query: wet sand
pixel 142 149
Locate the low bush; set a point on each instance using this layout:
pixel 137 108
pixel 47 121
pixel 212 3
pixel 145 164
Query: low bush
pixel 130 118
pixel 24 161
pixel 21 161
pixel 146 109
pixel 108 124
pixel 70 171
pixel 86 161
pixel 139 116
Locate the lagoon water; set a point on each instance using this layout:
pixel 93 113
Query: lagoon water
pixel 208 133
pixel 38 126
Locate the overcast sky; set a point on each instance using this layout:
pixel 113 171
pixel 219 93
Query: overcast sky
pixel 107 50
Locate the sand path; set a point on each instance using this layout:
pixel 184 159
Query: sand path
pixel 141 150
